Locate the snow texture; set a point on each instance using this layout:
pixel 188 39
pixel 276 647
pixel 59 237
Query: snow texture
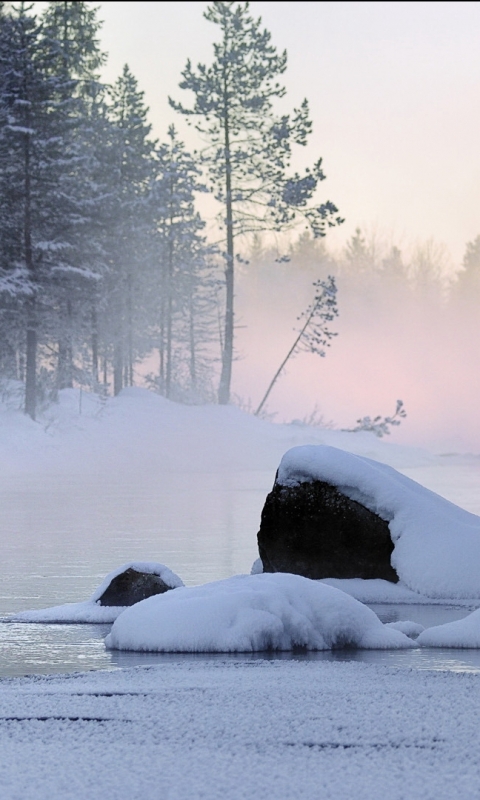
pixel 241 728
pixel 436 544
pixel 90 611
pixel 408 627
pixel 461 633
pixel 252 613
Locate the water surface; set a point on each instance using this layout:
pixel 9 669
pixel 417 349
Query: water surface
pixel 61 535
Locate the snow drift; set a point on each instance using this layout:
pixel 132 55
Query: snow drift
pixel 460 633
pixel 436 543
pixel 252 613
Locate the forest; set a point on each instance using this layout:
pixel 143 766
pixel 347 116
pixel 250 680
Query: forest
pixel 108 278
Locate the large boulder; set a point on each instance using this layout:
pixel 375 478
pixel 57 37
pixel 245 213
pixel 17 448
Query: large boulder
pixel 312 529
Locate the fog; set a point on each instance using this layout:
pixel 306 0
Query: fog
pixel 393 89
pixel 400 336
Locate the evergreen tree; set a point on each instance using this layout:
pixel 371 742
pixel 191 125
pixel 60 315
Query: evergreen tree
pixel 70 30
pixel 43 119
pixel 249 148
pixel 468 284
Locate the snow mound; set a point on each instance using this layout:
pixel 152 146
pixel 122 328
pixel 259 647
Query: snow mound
pixel 407 626
pixel 90 611
pixel 461 633
pixel 252 613
pixel 436 543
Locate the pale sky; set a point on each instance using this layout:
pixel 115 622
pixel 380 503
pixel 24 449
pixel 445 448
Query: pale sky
pixel 394 91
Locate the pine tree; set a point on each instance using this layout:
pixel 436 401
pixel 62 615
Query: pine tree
pixel 43 118
pixel 249 148
pixel 468 284
pixel 69 30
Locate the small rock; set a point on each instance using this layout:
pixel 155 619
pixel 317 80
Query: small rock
pixel 132 586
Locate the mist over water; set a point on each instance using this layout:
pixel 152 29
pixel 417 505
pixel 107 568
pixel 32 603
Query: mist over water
pixel 413 338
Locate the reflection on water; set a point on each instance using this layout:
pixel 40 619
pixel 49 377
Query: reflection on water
pixel 60 536
pixel 423 614
pixel 45 649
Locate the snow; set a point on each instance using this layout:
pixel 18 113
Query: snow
pixel 226 726
pixel 90 611
pixel 436 543
pixel 409 628
pixel 237 728
pixel 461 633
pixel 379 591
pixel 251 613
pixel 141 431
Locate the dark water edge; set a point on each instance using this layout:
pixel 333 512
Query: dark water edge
pixel 28 649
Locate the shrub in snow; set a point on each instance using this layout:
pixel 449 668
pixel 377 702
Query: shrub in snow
pixel 250 613
pixel 436 544
pixel 379 425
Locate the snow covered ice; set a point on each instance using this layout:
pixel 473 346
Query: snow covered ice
pixel 251 613
pixel 198 727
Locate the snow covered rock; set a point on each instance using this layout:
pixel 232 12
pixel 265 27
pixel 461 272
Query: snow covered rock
pixel 121 588
pixel 436 544
pixel 132 586
pixel 314 530
pixel 250 613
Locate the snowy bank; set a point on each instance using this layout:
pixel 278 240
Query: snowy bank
pixel 90 611
pixel 252 613
pixel 461 633
pixel 436 544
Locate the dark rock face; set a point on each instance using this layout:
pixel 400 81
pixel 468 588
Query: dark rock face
pixel 313 530
pixel 132 586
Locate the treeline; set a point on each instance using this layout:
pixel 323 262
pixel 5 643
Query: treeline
pixel 368 268
pixel 408 321
pixel 103 258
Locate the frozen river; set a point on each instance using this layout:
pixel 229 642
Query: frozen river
pixel 61 535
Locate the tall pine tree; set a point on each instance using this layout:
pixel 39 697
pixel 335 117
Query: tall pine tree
pixel 249 147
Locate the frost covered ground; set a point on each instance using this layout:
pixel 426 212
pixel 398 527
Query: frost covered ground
pixel 198 728
pixel 203 726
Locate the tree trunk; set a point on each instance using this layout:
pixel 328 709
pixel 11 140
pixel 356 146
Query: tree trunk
pixel 227 354
pixel 94 348
pixel 31 339
pixel 117 367
pixel 31 362
pixel 169 321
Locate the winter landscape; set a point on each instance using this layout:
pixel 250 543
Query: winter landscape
pixel 234 563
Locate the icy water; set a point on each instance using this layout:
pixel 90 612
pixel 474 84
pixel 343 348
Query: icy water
pixel 61 535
